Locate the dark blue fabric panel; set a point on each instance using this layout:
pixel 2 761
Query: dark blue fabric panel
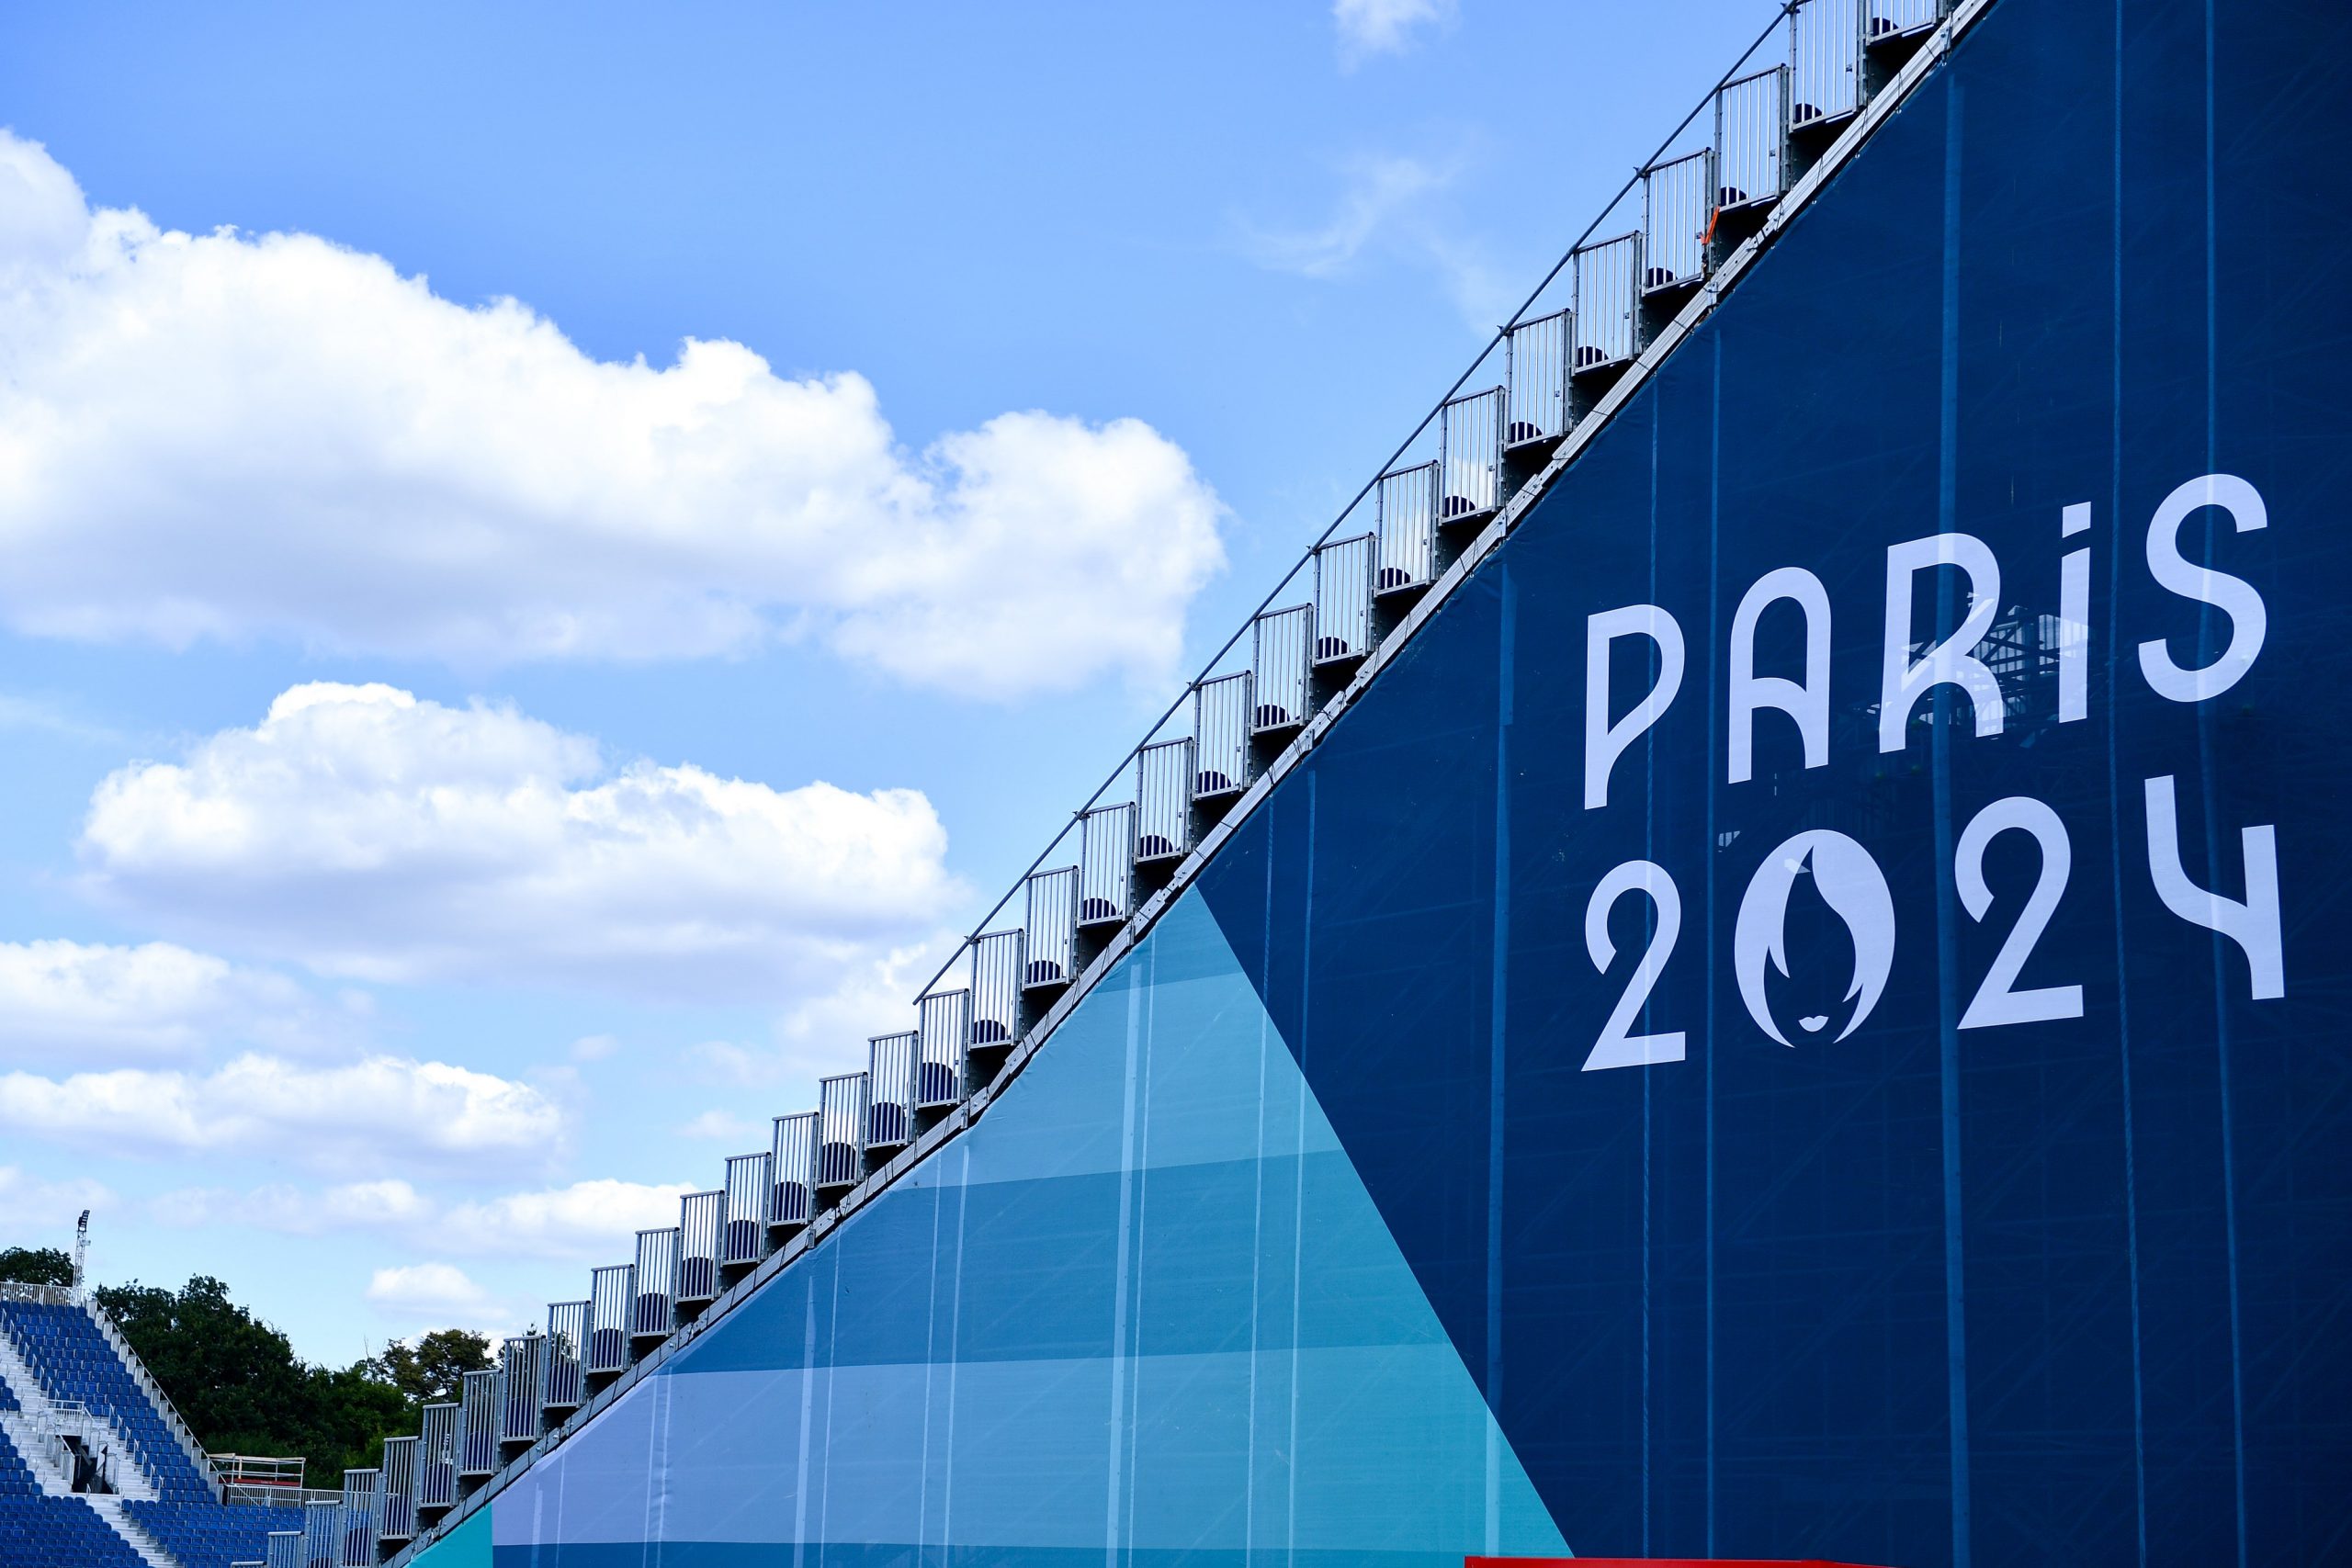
pixel 2054 1291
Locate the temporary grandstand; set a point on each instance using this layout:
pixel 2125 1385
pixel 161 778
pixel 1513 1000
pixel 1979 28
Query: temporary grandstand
pixel 1348 1140
pixel 95 1466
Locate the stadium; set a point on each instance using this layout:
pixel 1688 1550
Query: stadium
pixel 1729 968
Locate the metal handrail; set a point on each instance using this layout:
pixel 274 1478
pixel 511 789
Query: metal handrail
pixel 36 1295
pixel 1787 9
pixel 113 1335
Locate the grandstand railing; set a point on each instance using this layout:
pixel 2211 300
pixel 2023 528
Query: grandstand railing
pixel 400 1488
pixel 793 1154
pixel 362 1516
pixel 943 1030
pixel 259 1470
pixel 173 1421
pixel 561 1368
pixel 322 1534
pixel 700 1217
pixel 744 1229
pixel 1273 690
pixel 36 1295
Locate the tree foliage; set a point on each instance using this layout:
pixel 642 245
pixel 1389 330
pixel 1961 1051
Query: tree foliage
pixel 36 1265
pixel 239 1385
pixel 432 1370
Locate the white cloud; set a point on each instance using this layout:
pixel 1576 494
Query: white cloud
pixel 1393 209
pixel 105 1006
pixel 379 1108
pixel 427 1288
pixel 369 834
pixel 30 1203
pixel 585 1222
pixel 1385 27
pixel 389 1204
pixel 593 1047
pixel 1377 190
pixel 725 1127
pixel 231 437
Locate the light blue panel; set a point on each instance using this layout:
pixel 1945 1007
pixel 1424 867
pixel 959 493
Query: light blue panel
pixel 1145 1306
pixel 1151 1453
pixel 1171 1061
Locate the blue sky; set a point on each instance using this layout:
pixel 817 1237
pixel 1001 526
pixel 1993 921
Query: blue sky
pixel 471 763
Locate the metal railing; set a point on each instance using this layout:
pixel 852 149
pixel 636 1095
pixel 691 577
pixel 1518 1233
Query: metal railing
pixel 698 1220
pixel 560 1368
pixel 34 1295
pixel 522 1364
pixel 793 1150
pixel 362 1517
pixel 1404 523
pixel 1535 378
pixel 1279 658
pixel 400 1488
pixel 1901 18
pixel 943 1026
pixel 743 1230
pixel 996 987
pixel 840 1149
pixel 1049 935
pixel 612 1297
pixel 477 1404
pixel 1221 726
pixel 321 1534
pixel 182 1433
pixel 889 1091
pixel 1164 800
pixel 257 1469
pixel 436 1457
pixel 655 1311
pixel 1824 62
pixel 1538 345
pixel 1677 211
pixel 1470 456
pixel 1751 142
pixel 1343 600
pixel 1107 865
pixel 1608 289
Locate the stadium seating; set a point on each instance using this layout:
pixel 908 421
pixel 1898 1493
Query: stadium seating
pixel 15 1476
pixel 207 1535
pixel 60 1530
pixel 73 1361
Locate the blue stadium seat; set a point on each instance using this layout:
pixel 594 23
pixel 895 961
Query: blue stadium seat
pixel 61 1530
pixel 73 1361
pixel 15 1475
pixel 209 1535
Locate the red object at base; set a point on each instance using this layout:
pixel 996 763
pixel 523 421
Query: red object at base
pixel 1654 1563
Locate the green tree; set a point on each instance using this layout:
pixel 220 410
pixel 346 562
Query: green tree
pixel 432 1370
pixel 234 1378
pixel 239 1385
pixel 36 1265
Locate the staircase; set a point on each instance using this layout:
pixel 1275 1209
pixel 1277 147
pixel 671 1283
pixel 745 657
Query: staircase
pixel 111 1510
pixel 34 1431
